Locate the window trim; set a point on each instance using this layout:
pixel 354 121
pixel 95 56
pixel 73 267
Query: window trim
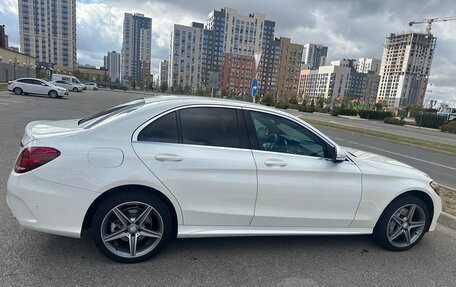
pixel 243 130
pixel 254 139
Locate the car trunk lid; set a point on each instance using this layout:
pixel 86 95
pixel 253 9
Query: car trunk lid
pixel 45 129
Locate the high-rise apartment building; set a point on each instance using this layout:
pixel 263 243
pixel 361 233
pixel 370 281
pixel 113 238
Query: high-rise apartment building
pixel 405 68
pixel 364 65
pixel 47 31
pixel 289 68
pixel 3 38
pixel 314 56
pixel 136 50
pixel 236 38
pixel 326 82
pixel 185 56
pixel 269 62
pixel 163 72
pixel 112 65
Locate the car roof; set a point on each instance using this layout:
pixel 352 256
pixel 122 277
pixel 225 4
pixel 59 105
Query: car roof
pixel 194 100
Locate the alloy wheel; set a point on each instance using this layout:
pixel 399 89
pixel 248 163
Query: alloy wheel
pixel 132 229
pixel 406 225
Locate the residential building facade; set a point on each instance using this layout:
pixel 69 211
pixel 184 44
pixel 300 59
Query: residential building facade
pixel 364 65
pixel 326 83
pixel 405 68
pixel 269 62
pixel 314 56
pixel 3 38
pixel 163 72
pixel 136 50
pixel 47 31
pixel 112 65
pixel 185 57
pixel 289 68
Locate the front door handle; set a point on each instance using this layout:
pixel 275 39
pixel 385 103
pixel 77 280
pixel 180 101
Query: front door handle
pixel 168 157
pixel 275 163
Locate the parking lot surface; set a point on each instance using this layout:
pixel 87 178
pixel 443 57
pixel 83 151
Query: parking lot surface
pixel 35 259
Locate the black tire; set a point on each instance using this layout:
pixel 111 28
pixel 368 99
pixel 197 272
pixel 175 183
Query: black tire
pixel 75 89
pixel 53 94
pixel 17 91
pixel 95 89
pixel 387 225
pixel 105 219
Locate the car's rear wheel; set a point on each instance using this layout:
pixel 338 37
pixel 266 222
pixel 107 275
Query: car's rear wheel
pixel 53 94
pixel 17 91
pixel 75 89
pixel 131 227
pixel 403 224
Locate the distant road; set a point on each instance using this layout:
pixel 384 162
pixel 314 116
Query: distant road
pixel 410 131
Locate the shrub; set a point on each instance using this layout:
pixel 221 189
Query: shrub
pixel 429 120
pixel 281 105
pixel 374 115
pixel 335 112
pixel 394 121
pixel 449 127
pixel 344 112
pixel 323 110
pixel 293 106
pixel 267 100
pixel 306 109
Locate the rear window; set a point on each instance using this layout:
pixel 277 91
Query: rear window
pixel 110 114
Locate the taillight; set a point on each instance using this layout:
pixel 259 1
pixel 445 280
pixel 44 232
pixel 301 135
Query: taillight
pixel 33 157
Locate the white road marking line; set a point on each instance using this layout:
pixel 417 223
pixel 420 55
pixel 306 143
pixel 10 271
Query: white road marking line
pixel 4 103
pixel 406 156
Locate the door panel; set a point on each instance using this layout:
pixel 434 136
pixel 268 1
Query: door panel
pixel 214 186
pixel 298 184
pixel 305 191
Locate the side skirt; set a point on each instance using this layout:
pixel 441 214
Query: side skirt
pixel 184 231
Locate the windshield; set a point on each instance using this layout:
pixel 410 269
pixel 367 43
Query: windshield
pixel 110 114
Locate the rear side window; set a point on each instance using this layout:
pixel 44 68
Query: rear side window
pixel 110 114
pixel 163 129
pixel 210 127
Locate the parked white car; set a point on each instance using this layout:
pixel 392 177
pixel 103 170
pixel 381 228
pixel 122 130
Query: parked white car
pixel 69 86
pixel 145 171
pixel 36 86
pixel 71 79
pixel 91 86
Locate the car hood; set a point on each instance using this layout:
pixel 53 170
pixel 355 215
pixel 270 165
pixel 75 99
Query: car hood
pixel 378 164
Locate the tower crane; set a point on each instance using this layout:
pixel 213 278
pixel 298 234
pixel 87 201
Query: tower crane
pixel 429 22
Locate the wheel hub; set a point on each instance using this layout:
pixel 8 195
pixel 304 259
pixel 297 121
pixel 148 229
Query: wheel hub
pixel 133 228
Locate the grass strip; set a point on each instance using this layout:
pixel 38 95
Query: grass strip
pixel 388 136
pixel 448 200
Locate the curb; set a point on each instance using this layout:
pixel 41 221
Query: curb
pixel 447 220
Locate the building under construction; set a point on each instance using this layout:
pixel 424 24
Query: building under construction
pixel 405 68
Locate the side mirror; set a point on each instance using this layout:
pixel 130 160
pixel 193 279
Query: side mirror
pixel 339 155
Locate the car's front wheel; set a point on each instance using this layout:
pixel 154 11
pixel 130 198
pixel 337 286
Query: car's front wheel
pixel 75 89
pixel 17 91
pixel 53 94
pixel 403 224
pixel 131 227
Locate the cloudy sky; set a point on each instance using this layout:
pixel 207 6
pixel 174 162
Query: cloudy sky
pixel 351 29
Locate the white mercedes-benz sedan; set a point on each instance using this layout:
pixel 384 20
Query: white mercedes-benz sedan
pixel 143 172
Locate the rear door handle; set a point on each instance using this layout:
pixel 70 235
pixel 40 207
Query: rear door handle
pixel 275 163
pixel 168 157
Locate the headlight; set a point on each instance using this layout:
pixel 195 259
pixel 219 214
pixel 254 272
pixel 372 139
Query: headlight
pixel 436 187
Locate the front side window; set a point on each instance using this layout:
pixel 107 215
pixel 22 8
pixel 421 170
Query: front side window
pixel 163 129
pixel 210 127
pixel 278 134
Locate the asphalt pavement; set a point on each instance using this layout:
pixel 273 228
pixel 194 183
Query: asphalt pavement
pixel 35 259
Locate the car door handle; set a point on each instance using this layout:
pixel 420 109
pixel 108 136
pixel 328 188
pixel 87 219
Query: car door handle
pixel 168 157
pixel 275 163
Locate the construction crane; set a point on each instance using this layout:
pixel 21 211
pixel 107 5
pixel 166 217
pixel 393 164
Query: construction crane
pixel 429 22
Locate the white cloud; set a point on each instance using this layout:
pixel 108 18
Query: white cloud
pixel 9 7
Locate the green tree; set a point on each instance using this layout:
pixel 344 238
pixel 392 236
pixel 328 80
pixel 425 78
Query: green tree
pixel 293 100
